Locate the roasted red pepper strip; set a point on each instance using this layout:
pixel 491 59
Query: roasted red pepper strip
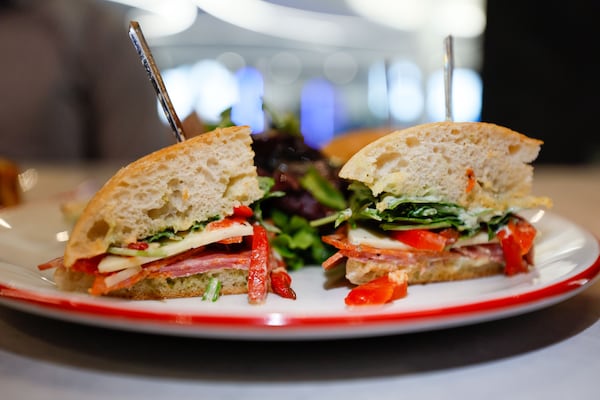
pixel 138 246
pixel 99 287
pixel 387 288
pixel 332 261
pixel 514 262
pixel 54 263
pixel 88 265
pixel 421 239
pixel 258 277
pixel 242 212
pixel 281 283
pixel 224 223
pixel 516 239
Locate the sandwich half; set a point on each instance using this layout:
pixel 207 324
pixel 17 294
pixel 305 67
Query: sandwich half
pixel 440 202
pixel 174 223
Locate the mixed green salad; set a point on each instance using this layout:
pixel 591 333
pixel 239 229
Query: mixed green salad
pixel 300 185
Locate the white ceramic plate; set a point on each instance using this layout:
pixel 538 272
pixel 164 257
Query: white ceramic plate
pixel 567 261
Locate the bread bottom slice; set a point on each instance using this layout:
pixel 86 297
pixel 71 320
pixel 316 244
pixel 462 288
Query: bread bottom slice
pixel 233 281
pixel 359 271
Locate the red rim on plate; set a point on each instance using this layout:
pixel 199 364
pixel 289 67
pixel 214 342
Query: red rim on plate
pixel 277 322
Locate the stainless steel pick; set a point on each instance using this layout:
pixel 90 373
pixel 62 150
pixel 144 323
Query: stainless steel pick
pixel 140 44
pixel 448 70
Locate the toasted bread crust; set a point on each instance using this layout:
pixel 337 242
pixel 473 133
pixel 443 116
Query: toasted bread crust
pixel 434 270
pixel 472 164
pixel 233 281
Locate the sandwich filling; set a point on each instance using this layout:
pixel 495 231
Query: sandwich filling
pixel 216 244
pixel 390 227
pixel 231 243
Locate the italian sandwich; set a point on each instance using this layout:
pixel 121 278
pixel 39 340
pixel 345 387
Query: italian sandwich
pixel 439 202
pixel 176 223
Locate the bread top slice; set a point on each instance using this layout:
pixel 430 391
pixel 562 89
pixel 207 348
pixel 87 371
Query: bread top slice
pixel 188 182
pixel 472 164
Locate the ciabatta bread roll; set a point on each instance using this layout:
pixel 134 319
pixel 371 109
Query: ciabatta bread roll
pixel 441 202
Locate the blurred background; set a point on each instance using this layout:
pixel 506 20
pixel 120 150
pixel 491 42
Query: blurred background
pixel 338 65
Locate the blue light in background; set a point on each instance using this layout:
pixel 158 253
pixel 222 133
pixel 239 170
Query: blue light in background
pixel 206 88
pixel 248 110
pixel 467 90
pixel 377 90
pixel 214 88
pixel 406 97
pixel 317 112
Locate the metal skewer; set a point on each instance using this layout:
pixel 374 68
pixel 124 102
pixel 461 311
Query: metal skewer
pixel 448 69
pixel 140 44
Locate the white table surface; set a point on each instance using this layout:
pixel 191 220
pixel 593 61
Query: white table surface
pixel 553 353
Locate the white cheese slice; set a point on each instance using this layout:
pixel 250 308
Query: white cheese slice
pixel 121 275
pixel 112 263
pixel 368 237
